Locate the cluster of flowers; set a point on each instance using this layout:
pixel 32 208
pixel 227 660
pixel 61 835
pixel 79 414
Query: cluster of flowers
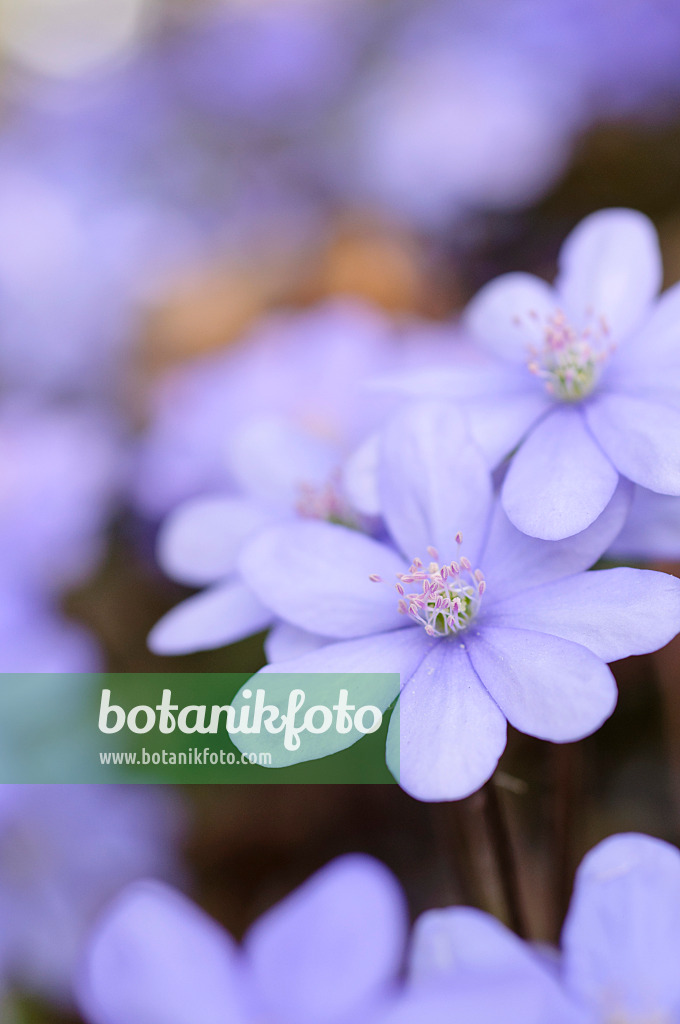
pixel 332 953
pixel 212 146
pixel 447 532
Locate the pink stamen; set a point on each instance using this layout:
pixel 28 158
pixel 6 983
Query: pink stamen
pixel 570 361
pixel 449 597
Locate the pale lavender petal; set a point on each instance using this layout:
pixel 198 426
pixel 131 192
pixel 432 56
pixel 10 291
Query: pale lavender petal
pixel 610 266
pixel 470 373
pixel 285 642
pixel 614 612
pixel 200 541
pixel 621 939
pixel 316 576
pixel 400 650
pixel 513 562
pixel 654 350
pixel 508 315
pixel 641 437
pixel 504 1000
pixel 272 459
pixel 652 529
pixel 446 733
pixel 155 958
pixel 546 686
pixel 458 942
pixel 360 477
pixel 434 482
pixel 499 423
pixel 218 616
pixel 560 480
pixel 332 948
pixel 363 667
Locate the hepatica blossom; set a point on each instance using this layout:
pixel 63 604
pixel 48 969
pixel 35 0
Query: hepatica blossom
pixel 298 389
pixel 619 951
pixel 483 623
pixel 68 461
pixel 329 953
pixel 582 378
pixel 302 368
pixel 35 636
pixel 64 852
pixel 651 531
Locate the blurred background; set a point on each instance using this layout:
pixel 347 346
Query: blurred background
pixel 178 180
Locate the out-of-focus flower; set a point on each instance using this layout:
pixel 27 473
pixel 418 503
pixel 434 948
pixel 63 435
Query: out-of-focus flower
pixel 514 623
pixel 328 953
pixel 428 125
pixel 307 369
pixel 109 194
pixel 35 636
pixel 62 471
pixel 271 67
pixel 272 424
pixel 470 106
pixel 619 950
pixel 652 529
pixel 582 378
pixel 617 62
pixel 66 310
pixel 64 852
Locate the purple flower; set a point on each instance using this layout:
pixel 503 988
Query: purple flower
pixel 35 636
pixel 453 85
pixel 620 943
pixel 582 378
pixel 430 119
pixel 487 624
pixel 64 271
pixel 64 852
pixel 272 67
pixel 651 531
pixel 327 954
pixel 306 369
pixel 271 426
pixel 61 472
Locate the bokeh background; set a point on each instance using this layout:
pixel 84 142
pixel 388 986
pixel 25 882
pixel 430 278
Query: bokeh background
pixel 172 174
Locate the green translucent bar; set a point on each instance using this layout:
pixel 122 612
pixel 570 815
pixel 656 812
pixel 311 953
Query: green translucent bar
pixel 172 728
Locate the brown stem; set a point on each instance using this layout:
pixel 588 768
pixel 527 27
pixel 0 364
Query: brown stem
pixel 565 771
pixel 499 835
pixel 451 827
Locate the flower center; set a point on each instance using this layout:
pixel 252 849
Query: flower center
pixel 324 502
pixel 446 598
pixel 570 362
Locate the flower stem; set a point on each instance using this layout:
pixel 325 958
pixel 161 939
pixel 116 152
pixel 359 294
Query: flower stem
pixel 566 770
pixel 451 827
pixel 506 864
